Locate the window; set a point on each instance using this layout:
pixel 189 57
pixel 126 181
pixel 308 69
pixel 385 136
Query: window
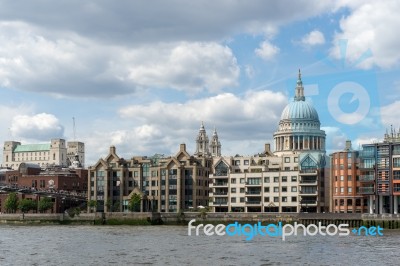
pixel 284 199
pixel 342 190
pixel 349 189
pixel 242 190
pixel 276 179
pixel 294 178
pixel 242 199
pixel 233 190
pixel 349 178
pixel 294 199
pixel 341 178
pixel 242 181
pixel 349 155
pixel 284 189
pixel 136 174
pixel 396 162
pixel 276 189
pixel 237 162
pixel 284 178
pixel 233 180
pixel 266 189
pixel 336 189
pixel 233 200
pixel 266 199
pixel 276 199
pixel 296 159
pixel 294 189
pixel 287 159
pixel 266 179
pixel 246 162
pixel 349 166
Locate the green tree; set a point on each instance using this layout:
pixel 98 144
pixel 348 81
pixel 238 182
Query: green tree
pixel 115 207
pixel 11 202
pixel 92 205
pixel 25 205
pixel 45 204
pixel 134 203
pixel 109 204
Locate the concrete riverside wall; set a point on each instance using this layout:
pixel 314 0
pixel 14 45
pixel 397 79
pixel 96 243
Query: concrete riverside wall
pixel 200 217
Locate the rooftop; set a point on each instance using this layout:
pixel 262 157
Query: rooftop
pixel 32 147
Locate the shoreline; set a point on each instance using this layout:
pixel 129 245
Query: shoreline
pixel 386 221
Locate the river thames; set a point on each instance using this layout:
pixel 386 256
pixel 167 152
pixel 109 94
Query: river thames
pixel 171 245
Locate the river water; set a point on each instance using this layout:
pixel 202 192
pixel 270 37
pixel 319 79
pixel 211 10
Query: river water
pixel 171 245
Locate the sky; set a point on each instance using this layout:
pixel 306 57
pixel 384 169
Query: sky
pixel 143 75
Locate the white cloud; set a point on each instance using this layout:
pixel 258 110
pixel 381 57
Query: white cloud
pixel 267 51
pixel 315 37
pixel 39 127
pixel 182 66
pixel 66 64
pixel 335 139
pixel 244 124
pixel 390 114
pixel 249 70
pixel 370 25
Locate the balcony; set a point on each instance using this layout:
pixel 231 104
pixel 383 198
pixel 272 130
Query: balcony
pixel 366 190
pixel 308 192
pixel 256 184
pixel 253 193
pixel 310 182
pixel 220 184
pixel 367 178
pixel 219 203
pixel 253 202
pixel 304 172
pixel 308 202
pixel 220 193
pixel 364 166
pixel 396 190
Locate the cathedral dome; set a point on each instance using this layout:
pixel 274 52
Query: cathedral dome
pixel 300 110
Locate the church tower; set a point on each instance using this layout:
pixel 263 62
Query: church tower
pixel 202 143
pixel 215 144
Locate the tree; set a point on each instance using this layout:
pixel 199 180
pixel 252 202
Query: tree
pixel 115 207
pixel 45 204
pixel 134 203
pixel 11 202
pixel 25 205
pixel 92 205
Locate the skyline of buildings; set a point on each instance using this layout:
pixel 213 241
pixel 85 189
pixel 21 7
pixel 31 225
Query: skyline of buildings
pixel 297 176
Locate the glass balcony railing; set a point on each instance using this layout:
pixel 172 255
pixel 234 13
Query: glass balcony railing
pixel 367 178
pixel 366 190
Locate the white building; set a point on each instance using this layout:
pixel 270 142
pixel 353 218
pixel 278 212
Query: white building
pixel 57 152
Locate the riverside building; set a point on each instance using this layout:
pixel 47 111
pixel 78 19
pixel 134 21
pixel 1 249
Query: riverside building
pixel 290 179
pixel 346 183
pixel 380 174
pixel 56 153
pixel 164 184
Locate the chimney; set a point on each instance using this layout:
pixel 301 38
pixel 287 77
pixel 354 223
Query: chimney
pixel 267 148
pixel 112 149
pixel 348 145
pixel 182 147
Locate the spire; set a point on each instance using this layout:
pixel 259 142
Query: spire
pixel 215 131
pixel 202 126
pixel 299 89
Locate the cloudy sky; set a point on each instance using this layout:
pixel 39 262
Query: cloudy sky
pixel 142 75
